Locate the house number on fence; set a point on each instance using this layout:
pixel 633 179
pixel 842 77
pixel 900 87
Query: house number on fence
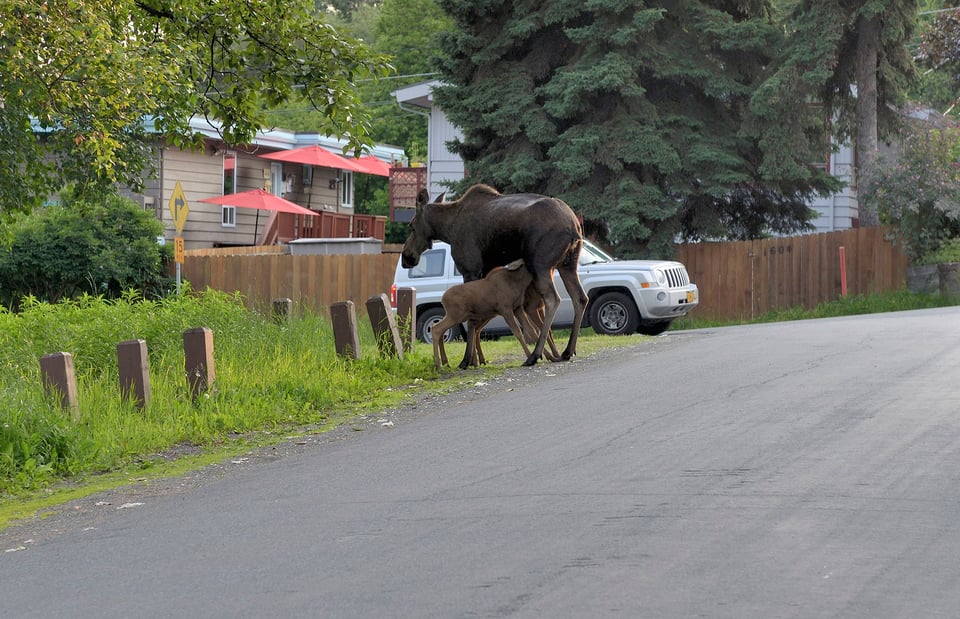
pixel 778 250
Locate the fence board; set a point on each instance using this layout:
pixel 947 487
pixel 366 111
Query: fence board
pixel 313 281
pixel 740 280
pixel 737 280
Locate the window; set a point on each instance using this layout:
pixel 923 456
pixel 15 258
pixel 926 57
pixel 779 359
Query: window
pixel 430 265
pixel 346 189
pixel 229 173
pixel 228 216
pixel 276 178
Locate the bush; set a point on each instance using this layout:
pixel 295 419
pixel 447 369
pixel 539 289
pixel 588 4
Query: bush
pixel 95 247
pixel 919 195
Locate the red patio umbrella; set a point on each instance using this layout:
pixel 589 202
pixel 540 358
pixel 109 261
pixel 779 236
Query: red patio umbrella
pixel 260 200
pixel 374 165
pixel 316 156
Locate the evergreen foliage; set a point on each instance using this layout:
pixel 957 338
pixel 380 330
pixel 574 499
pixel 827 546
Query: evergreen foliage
pixel 852 58
pixel 639 115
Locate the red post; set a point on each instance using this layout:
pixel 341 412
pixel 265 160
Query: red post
pixel 843 271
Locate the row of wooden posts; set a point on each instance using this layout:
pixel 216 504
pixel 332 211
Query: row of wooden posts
pixel 59 376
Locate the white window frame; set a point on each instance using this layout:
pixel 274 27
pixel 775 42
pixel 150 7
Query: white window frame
pixel 228 216
pixel 276 178
pixel 346 189
pixel 233 155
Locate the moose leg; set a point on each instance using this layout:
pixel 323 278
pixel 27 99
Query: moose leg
pixel 437 333
pixel 476 353
pixel 514 324
pixel 472 354
pixel 531 322
pixel 551 301
pixel 579 298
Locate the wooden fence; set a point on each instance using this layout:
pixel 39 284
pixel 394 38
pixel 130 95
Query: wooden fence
pixel 742 280
pixel 311 281
pixel 737 281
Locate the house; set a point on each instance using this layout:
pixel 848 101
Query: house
pixel 442 165
pixel 836 212
pixel 219 170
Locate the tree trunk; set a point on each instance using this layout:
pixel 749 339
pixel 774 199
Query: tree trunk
pixel 868 39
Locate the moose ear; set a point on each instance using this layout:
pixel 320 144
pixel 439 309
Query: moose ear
pixel 423 197
pixel 441 197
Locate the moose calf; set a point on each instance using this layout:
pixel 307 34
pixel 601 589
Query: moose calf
pixel 501 292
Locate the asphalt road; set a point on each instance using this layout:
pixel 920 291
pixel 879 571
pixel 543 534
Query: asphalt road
pixel 803 469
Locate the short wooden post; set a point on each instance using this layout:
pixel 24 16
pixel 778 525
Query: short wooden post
pixel 407 316
pixel 198 351
pixel 346 339
pixel 384 326
pixel 134 371
pixel 282 309
pixel 60 380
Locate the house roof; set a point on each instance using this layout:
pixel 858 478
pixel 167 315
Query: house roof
pixel 281 139
pixel 419 94
pixel 276 139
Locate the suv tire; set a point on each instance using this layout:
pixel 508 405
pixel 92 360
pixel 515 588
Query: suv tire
pixel 430 317
pixel 614 313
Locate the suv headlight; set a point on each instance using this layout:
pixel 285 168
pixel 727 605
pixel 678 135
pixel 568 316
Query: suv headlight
pixel 661 277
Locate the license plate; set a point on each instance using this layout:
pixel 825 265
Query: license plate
pixel 691 296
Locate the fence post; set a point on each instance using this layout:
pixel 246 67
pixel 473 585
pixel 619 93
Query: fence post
pixel 198 352
pixel 843 271
pixel 384 326
pixel 282 309
pixel 60 380
pixel 344 317
pixel 407 316
pixel 134 371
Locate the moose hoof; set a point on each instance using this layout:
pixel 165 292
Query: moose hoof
pixel 531 360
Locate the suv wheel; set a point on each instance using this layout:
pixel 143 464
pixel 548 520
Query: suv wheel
pixel 430 317
pixel 613 313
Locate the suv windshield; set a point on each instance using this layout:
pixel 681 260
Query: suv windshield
pixel 591 254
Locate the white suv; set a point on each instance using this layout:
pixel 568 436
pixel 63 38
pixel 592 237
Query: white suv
pixel 626 296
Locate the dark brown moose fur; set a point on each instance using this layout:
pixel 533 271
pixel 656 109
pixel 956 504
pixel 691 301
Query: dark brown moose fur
pixel 486 229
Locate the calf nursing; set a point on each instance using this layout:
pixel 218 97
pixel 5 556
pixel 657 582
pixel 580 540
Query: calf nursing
pixel 501 293
pixel 486 229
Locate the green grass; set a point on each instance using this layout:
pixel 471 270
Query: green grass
pixel 272 380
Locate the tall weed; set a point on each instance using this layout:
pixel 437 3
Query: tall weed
pixel 268 375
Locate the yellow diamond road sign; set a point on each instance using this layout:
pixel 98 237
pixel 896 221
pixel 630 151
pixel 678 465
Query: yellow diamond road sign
pixel 178 207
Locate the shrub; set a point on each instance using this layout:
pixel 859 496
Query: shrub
pixel 919 194
pixel 96 247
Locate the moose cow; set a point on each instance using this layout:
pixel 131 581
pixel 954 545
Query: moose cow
pixel 487 229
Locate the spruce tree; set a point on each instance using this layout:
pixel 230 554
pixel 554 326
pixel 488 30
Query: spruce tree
pixel 638 114
pixel 851 56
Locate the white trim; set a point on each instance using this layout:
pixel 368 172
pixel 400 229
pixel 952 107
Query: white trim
pixel 228 216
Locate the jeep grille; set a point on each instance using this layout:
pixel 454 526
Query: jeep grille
pixel 677 277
